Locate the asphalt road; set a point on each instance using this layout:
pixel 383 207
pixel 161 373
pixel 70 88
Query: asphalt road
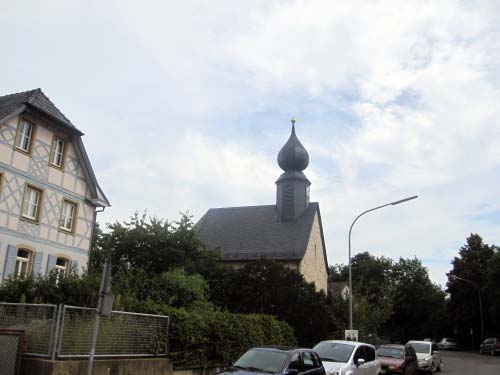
pixel 464 363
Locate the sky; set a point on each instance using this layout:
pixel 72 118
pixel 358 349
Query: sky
pixel 185 105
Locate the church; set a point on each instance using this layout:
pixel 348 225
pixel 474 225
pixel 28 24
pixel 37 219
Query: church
pixel 289 231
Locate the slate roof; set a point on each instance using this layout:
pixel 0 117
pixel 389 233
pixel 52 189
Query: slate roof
pixel 253 232
pixel 36 100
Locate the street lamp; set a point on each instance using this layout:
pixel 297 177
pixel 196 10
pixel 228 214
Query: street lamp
pixel 455 278
pixel 350 230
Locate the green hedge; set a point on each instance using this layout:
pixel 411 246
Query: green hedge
pixel 210 338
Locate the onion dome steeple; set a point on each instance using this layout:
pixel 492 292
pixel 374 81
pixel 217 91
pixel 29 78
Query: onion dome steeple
pixel 293 156
pixel 292 197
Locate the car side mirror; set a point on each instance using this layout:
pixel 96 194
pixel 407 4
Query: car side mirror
pixel 360 361
pixel 292 371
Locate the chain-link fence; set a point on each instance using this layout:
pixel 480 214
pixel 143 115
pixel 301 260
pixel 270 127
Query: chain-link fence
pixel 66 331
pixel 38 322
pixel 121 334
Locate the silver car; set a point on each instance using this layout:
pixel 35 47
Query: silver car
pixel 447 344
pixel 348 358
pixel 428 356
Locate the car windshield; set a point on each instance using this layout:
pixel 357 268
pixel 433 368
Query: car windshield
pixel 385 351
pixel 334 351
pixel 421 347
pixel 262 360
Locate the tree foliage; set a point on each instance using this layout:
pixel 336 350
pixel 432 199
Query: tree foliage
pixel 268 287
pixel 479 264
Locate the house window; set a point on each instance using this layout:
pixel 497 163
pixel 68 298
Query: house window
pixel 57 152
pixel 23 262
pixel 61 267
pixel 31 203
pixel 24 135
pixel 68 213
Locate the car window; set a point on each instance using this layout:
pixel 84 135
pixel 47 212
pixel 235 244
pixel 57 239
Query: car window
pixel 421 347
pixel 360 353
pixel 412 351
pixel 267 360
pixel 295 362
pixel 334 351
pixel 309 362
pixel 369 353
pixel 391 352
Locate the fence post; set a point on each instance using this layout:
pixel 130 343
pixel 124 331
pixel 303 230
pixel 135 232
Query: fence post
pixel 54 333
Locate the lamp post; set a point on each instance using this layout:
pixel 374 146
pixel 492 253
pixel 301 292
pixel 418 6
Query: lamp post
pixel 350 230
pixel 455 278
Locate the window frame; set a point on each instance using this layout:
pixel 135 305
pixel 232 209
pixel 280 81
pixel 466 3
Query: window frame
pixel 36 218
pixel 65 269
pixel 75 216
pixel 29 263
pixel 56 138
pixel 31 137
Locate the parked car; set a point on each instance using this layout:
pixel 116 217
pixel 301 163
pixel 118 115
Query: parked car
pixel 398 359
pixel 447 344
pixel 429 358
pixel 348 357
pixel 277 360
pixel 490 346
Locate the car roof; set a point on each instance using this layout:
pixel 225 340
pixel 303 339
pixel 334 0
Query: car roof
pixel 278 348
pixel 396 346
pixel 353 343
pixel 420 342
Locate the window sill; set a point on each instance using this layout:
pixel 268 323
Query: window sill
pixel 30 220
pixel 27 153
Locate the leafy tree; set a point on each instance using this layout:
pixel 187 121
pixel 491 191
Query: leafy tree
pixel 471 264
pixel 371 286
pixel 418 304
pixel 153 246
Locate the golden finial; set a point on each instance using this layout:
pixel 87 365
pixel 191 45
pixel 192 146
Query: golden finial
pixel 293 120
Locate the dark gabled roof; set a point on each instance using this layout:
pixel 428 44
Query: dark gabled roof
pixel 253 232
pixel 35 100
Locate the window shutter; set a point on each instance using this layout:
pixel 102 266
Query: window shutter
pixel 73 265
pixel 37 264
pixel 10 262
pixel 51 262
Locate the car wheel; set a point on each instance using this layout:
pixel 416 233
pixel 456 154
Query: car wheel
pixel 432 368
pixel 440 365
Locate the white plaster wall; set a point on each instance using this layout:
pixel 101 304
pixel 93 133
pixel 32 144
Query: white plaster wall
pixel 313 264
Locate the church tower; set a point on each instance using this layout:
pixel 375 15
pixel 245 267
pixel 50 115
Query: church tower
pixel 292 196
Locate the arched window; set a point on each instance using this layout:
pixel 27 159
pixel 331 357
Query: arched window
pixel 24 260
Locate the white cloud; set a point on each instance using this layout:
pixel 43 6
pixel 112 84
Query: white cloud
pixel 185 106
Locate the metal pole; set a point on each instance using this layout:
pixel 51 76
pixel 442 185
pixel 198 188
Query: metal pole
pixel 480 302
pixel 102 292
pixel 350 265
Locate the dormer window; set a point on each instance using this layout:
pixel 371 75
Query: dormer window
pixel 57 152
pixel 24 136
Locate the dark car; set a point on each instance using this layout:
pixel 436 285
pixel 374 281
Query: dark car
pixel 398 359
pixel 490 346
pixel 277 360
